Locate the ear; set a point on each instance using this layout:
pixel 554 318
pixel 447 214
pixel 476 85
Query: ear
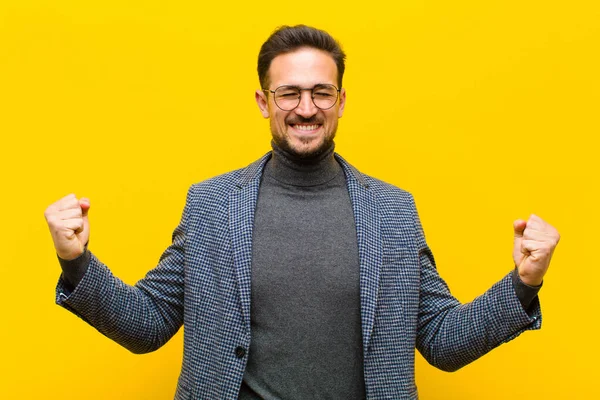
pixel 342 103
pixel 263 103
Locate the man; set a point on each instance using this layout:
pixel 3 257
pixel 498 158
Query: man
pixel 298 277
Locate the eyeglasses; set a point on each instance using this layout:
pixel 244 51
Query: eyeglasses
pixel 287 97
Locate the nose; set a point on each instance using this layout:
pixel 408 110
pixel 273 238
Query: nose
pixel 307 107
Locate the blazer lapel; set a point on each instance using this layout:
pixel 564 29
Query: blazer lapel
pixel 370 247
pixel 242 205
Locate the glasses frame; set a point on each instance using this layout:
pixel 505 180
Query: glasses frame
pixel 312 95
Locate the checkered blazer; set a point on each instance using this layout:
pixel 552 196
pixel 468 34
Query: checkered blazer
pixel 203 282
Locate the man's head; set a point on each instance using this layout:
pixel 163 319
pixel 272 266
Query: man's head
pixel 287 39
pixel 304 58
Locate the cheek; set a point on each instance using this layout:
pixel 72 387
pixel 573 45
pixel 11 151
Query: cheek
pixel 280 118
pixel 278 123
pixel 331 117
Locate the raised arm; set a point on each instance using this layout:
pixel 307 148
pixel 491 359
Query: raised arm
pixel 450 334
pixel 141 317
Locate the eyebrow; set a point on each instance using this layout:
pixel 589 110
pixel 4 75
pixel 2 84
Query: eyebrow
pixel 299 87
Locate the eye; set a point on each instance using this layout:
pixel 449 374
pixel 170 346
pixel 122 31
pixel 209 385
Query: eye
pixel 287 92
pixel 324 94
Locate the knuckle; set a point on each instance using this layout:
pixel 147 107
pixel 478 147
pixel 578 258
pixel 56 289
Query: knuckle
pixel 51 219
pixel 50 210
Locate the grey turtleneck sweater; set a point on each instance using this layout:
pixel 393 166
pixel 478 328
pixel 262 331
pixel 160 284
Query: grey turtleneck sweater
pixel 305 306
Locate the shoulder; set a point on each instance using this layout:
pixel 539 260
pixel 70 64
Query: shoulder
pixel 395 206
pixel 218 188
pixel 392 201
pixel 217 185
pixel 383 191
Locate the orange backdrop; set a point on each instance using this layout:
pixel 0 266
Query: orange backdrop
pixel 486 111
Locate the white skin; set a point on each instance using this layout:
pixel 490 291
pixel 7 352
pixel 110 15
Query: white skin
pixel 535 241
pixel 305 131
pixel 69 225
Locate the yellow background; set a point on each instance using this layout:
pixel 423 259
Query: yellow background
pixel 486 111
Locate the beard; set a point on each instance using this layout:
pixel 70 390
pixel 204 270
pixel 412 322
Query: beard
pixel 305 151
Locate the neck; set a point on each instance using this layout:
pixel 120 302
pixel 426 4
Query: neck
pixel 302 171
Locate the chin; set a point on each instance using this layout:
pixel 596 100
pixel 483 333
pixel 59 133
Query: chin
pixel 302 147
pixel 308 149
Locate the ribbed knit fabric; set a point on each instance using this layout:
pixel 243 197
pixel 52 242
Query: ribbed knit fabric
pixel 305 306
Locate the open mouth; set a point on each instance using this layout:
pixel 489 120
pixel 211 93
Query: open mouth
pixel 306 127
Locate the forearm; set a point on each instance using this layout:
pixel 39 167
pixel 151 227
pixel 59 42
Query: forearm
pixel 138 317
pixel 458 335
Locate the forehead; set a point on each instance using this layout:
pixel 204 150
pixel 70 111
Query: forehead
pixel 304 67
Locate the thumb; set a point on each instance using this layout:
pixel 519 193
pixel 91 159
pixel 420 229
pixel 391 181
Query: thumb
pixel 519 227
pixel 84 203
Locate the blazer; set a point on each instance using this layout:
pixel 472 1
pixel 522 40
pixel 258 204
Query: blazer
pixel 203 282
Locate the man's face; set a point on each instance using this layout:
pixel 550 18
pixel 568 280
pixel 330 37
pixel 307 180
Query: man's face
pixel 306 130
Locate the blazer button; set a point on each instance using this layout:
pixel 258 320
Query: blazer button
pixel 240 352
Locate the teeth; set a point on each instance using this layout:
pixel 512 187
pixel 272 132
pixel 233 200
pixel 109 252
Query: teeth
pixel 306 127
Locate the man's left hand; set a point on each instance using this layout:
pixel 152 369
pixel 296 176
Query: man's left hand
pixel 535 241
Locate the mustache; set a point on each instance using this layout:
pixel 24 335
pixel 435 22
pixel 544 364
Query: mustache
pixel 314 120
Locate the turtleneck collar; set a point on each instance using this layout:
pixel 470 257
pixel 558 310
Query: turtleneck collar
pixel 296 171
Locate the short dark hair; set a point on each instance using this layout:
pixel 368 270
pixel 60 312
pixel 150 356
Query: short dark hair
pixel 287 39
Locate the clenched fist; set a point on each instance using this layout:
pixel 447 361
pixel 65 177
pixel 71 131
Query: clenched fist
pixel 535 241
pixel 69 226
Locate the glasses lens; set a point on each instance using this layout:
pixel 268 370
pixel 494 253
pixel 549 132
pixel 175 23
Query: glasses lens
pixel 287 97
pixel 325 96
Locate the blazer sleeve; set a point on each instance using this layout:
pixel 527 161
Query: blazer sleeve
pixel 450 335
pixel 141 317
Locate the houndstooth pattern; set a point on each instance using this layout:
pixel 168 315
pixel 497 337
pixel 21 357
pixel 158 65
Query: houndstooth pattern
pixel 203 282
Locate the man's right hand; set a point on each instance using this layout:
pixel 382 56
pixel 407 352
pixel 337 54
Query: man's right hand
pixel 69 225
